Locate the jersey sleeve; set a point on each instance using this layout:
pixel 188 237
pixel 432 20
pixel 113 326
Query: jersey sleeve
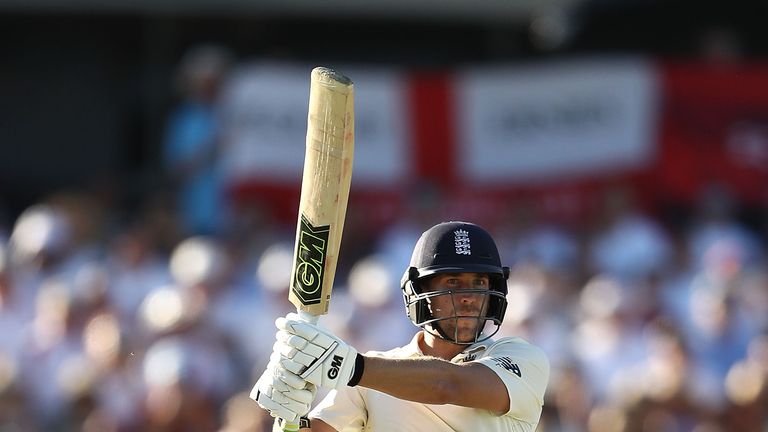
pixel 343 409
pixel 524 369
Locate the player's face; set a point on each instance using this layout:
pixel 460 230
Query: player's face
pixel 465 306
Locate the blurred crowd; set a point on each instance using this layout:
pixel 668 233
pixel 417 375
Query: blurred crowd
pixel 138 327
pixel 650 327
pixel 163 320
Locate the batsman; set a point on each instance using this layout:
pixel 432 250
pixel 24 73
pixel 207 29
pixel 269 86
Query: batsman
pixel 452 376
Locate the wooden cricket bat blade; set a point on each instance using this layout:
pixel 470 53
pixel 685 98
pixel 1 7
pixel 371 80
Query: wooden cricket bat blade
pixel 324 189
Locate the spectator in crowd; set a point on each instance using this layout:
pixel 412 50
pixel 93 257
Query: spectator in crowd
pixel 628 245
pixel 135 268
pixel 715 230
pixel 193 143
pixel 369 286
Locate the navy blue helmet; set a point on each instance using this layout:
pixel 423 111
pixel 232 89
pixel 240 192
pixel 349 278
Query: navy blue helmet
pixel 454 247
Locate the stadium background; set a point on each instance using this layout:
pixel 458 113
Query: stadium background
pixel 618 151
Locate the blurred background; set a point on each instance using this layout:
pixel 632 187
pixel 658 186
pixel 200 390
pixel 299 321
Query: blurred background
pixel 151 165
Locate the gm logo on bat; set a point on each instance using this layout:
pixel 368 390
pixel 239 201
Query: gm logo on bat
pixel 310 261
pixel 335 365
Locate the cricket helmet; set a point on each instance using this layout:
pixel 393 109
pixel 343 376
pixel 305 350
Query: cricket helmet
pixel 454 247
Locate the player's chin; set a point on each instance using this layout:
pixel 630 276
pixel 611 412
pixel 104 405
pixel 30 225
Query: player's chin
pixel 467 329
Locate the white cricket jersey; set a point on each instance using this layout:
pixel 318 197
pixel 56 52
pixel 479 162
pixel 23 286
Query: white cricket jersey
pixel 522 367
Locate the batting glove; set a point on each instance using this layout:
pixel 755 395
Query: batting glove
pixel 283 393
pixel 316 355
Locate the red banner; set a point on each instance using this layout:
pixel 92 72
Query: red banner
pixel 714 129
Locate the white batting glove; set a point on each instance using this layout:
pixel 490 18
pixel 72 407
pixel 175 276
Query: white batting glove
pixel 316 355
pixel 283 393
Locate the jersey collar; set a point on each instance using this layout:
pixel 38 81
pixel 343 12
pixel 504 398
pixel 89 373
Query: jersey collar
pixel 472 352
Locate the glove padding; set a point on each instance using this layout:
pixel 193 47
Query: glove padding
pixel 283 393
pixel 315 354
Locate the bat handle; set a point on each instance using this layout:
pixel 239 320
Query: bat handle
pixel 308 317
pixel 290 427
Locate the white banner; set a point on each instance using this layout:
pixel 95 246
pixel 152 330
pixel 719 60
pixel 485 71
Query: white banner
pixel 555 121
pixel 265 112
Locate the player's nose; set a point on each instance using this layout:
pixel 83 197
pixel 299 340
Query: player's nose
pixel 466 298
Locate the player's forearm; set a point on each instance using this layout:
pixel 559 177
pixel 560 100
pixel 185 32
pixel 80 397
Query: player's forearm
pixel 425 380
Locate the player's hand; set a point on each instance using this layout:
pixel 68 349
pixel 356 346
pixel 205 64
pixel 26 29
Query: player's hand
pixel 283 393
pixel 315 354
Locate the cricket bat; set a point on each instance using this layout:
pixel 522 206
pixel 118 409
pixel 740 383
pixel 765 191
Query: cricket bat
pixel 324 193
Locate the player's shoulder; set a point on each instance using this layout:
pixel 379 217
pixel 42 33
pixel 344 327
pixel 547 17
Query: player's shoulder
pixel 518 348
